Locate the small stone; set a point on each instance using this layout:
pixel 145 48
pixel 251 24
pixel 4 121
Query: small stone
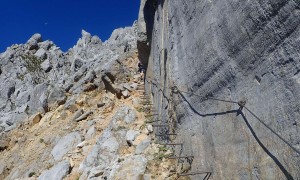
pixel 99 105
pixel 36 118
pixel 3 144
pixel 83 116
pixel 134 86
pixel 150 128
pixel 77 114
pixel 126 93
pixel 80 145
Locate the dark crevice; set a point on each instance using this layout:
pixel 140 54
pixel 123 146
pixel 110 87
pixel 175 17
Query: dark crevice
pixel 144 45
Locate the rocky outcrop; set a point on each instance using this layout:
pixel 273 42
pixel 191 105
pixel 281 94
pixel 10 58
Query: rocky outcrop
pixel 237 50
pixel 37 76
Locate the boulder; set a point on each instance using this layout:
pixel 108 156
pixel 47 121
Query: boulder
pixel 38 99
pixel 133 167
pixel 56 97
pixel 46 65
pixel 57 172
pixel 124 114
pixel 32 43
pixel 131 135
pixel 41 54
pixel 65 144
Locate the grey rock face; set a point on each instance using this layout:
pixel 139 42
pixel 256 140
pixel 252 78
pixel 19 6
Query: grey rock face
pixel 65 144
pixel 57 172
pixel 235 51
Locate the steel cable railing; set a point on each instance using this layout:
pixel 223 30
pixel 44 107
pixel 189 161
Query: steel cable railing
pixel 175 89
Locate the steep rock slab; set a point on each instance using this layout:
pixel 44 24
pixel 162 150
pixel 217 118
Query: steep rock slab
pixel 241 50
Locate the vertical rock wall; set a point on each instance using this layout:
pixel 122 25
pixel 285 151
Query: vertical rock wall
pixel 232 50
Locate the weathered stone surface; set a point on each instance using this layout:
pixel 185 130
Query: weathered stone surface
pixel 133 167
pixel 124 114
pixel 57 172
pixel 229 50
pixel 83 116
pixel 103 153
pixel 142 146
pixel 56 97
pixel 65 144
pixel 131 135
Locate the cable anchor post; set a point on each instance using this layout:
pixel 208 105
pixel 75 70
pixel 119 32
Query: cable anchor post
pixel 242 104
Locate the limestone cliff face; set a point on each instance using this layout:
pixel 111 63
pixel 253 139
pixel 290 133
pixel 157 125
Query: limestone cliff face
pixel 231 50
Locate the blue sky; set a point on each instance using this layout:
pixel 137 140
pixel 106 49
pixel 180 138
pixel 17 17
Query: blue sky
pixel 62 20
